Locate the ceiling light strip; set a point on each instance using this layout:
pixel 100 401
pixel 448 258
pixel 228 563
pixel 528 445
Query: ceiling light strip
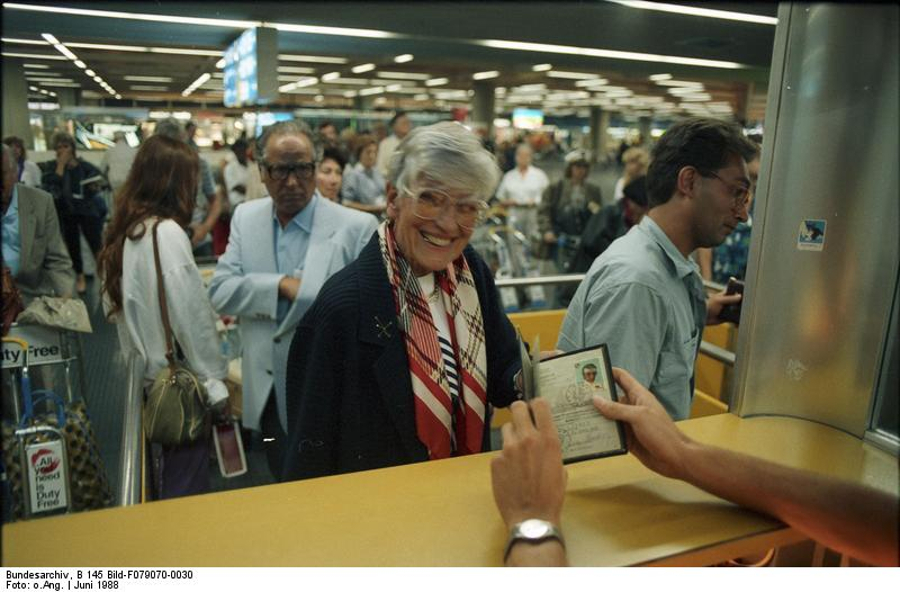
pixel 703 12
pixel 607 53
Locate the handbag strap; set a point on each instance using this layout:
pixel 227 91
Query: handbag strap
pixel 163 307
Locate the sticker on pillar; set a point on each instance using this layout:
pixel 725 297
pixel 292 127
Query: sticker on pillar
pixel 811 236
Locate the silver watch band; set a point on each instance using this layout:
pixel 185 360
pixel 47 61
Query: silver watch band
pixel 532 531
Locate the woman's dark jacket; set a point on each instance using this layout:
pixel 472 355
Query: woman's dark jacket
pixel 349 397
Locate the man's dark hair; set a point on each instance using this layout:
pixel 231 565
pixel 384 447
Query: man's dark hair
pixel 636 191
pixel 396 116
pixel 707 144
pixel 335 154
pixel 239 147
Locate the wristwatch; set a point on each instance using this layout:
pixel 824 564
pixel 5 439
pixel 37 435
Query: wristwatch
pixel 532 531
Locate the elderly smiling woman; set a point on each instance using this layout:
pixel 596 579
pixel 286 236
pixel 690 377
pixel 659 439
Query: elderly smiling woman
pixel 404 350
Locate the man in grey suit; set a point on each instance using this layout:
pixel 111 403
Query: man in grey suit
pixel 280 252
pixel 33 247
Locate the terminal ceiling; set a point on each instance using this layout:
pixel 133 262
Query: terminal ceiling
pixel 445 38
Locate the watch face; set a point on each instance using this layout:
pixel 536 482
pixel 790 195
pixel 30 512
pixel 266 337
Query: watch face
pixel 534 529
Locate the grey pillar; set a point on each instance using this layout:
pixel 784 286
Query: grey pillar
pixel 599 125
pixel 644 126
pixel 483 104
pixel 67 97
pixel 15 102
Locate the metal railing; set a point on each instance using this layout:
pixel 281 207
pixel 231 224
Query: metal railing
pixel 708 349
pixel 132 438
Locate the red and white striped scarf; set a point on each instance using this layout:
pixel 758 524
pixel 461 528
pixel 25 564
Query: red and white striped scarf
pixel 433 401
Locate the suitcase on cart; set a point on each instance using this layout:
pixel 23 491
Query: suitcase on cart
pixel 50 456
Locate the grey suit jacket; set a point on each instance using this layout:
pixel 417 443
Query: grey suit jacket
pixel 45 268
pixel 246 280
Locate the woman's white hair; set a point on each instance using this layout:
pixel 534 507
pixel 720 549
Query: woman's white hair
pixel 444 155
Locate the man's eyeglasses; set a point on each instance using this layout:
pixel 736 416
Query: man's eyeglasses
pixel 739 193
pixel 279 172
pixel 429 203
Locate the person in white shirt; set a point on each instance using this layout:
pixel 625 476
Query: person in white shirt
pixel 160 191
pixel 28 172
pixel 236 174
pixel 117 162
pixel 400 126
pixel 521 190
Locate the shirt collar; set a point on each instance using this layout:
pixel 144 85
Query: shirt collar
pixel 683 266
pixel 304 218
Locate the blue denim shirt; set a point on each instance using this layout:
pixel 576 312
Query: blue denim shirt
pixel 12 240
pixel 291 244
pixel 646 301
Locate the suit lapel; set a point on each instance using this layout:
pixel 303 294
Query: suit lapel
pixel 27 221
pixel 316 265
pixel 378 328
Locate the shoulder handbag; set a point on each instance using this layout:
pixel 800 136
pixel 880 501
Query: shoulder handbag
pixel 175 410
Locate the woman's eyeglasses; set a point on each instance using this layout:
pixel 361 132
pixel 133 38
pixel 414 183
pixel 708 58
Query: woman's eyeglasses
pixel 429 203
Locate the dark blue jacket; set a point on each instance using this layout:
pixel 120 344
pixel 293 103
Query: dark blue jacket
pixel 349 396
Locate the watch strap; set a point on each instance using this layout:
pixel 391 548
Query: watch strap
pixel 516 534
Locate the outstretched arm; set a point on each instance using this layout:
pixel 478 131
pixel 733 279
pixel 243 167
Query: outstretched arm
pixel 529 481
pixel 850 518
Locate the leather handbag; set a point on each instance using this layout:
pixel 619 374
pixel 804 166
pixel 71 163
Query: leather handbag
pixel 175 409
pixel 12 300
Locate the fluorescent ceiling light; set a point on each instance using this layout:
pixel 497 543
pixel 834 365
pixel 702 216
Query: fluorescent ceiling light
pixel 106 47
pixel 23 41
pixel 393 87
pixel 402 59
pixel 148 87
pixel 34 88
pixel 487 75
pixel 90 73
pixel 342 31
pixel 301 83
pixel 185 51
pixel 686 83
pixel 362 68
pixel 541 67
pixel 421 97
pixel 43 79
pixel 65 51
pixel 375 90
pixel 135 16
pixel 704 12
pixel 80 64
pixel 696 97
pixel 571 75
pixel 220 64
pixel 35 66
pixel 530 87
pixel 296 70
pixel 684 90
pixel 660 77
pixel 436 81
pixel 148 79
pixel 311 58
pixel 349 94
pixel 62 84
pixel 50 38
pixel 607 53
pixel 27 73
pixel 330 76
pixel 591 83
pixel 32 56
pixel 402 75
pixel 357 81
pixel 98 80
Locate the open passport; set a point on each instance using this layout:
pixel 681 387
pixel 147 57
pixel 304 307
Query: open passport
pixel 568 382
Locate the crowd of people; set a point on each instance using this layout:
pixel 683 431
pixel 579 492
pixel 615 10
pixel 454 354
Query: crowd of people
pixel 373 334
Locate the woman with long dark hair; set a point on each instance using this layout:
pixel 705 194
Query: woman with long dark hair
pixel 160 192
